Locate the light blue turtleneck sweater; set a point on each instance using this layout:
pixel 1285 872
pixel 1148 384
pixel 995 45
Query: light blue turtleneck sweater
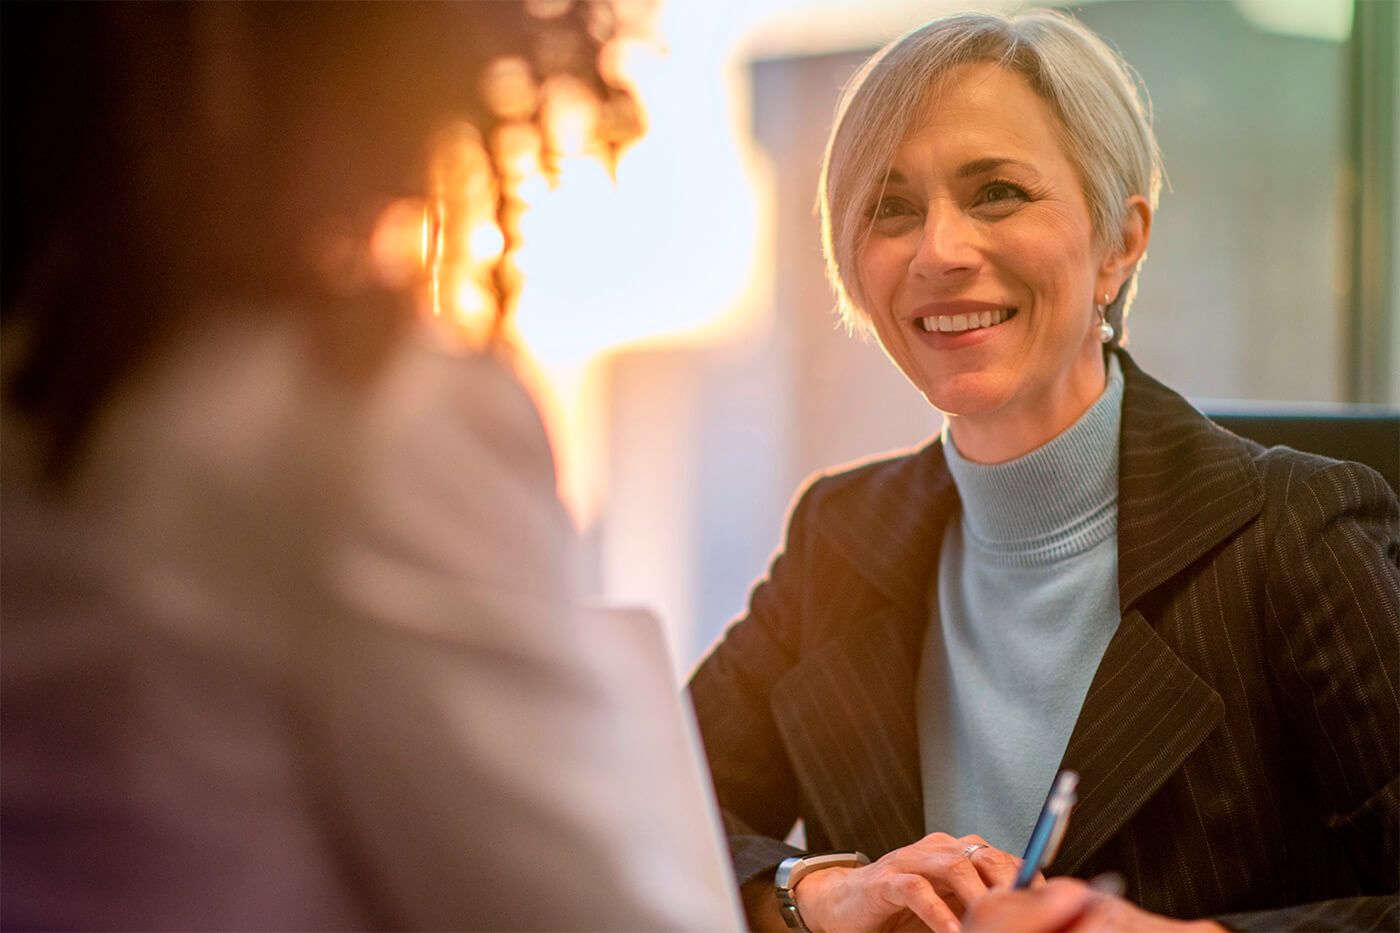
pixel 1027 588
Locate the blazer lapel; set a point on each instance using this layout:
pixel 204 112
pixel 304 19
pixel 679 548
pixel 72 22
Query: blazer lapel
pixel 1185 485
pixel 1144 713
pixel 848 706
pixel 852 736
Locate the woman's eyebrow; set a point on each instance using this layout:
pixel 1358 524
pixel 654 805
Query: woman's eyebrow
pixel 982 166
pixel 968 169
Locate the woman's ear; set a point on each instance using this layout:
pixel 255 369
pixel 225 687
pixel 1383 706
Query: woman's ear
pixel 1118 264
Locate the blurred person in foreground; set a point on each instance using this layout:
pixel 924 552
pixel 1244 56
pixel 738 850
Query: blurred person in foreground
pixel 290 636
pixel 1082 571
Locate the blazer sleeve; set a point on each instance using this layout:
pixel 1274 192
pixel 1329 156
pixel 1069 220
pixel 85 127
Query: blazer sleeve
pixel 1332 618
pixel 732 690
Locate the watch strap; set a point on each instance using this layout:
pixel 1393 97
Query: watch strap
pixel 792 870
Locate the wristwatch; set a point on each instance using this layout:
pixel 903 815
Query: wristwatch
pixel 793 870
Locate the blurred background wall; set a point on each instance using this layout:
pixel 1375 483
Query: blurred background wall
pixel 696 373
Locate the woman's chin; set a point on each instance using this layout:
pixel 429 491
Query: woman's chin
pixel 966 396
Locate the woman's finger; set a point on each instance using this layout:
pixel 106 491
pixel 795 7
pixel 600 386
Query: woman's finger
pixel 961 879
pixel 997 867
pixel 960 869
pixel 916 894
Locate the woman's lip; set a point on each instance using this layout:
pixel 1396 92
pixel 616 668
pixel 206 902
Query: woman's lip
pixel 938 341
pixel 948 308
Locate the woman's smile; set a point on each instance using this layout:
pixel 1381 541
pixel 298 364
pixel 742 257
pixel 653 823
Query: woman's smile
pixel 947 320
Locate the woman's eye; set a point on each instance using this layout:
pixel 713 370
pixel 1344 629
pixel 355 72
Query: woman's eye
pixel 1001 191
pixel 890 207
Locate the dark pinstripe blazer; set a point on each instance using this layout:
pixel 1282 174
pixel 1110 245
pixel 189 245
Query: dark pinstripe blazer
pixel 1240 742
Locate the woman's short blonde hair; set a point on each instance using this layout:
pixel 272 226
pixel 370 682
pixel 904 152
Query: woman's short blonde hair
pixel 1106 123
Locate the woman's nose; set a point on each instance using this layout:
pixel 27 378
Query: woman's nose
pixel 947 244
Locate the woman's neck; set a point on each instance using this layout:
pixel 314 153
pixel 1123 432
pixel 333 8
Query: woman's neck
pixel 1018 428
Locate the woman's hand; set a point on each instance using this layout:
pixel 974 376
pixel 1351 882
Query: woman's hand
pixel 1067 904
pixel 926 885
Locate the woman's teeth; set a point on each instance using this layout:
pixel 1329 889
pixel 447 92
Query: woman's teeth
pixel 952 323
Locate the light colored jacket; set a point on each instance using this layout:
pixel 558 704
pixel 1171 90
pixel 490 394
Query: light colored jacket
pixel 287 656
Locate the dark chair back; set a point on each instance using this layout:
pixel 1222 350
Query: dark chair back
pixel 1364 433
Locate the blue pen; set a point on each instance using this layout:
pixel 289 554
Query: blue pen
pixel 1049 827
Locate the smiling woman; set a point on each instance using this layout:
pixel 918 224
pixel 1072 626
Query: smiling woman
pixel 1082 572
pixel 983 215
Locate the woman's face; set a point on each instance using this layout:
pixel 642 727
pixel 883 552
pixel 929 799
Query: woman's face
pixel 981 270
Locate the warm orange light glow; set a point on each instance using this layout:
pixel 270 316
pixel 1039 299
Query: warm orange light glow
pixel 552 147
pixel 510 89
pixel 601 21
pixel 485 243
pixel 635 17
pixel 469 300
pixel 517 149
pixel 660 251
pixel 461 169
pixel 467 238
pixel 398 246
pixel 548 9
pixel 472 312
pixel 617 61
pixel 570 115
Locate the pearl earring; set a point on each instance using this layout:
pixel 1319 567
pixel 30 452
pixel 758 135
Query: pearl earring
pixel 1105 328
